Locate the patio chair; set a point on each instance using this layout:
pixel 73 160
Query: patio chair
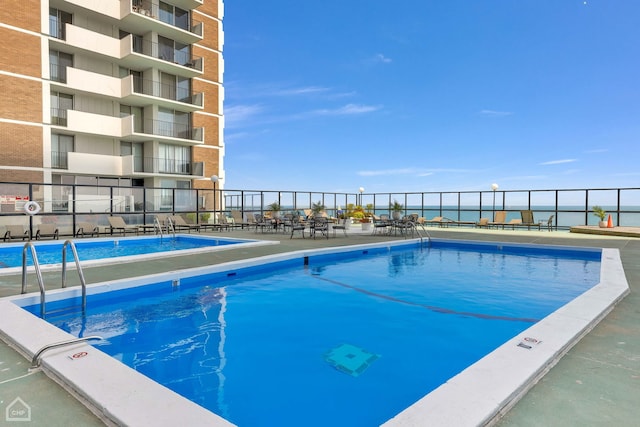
pixel 118 224
pixel 547 223
pixel 340 225
pixel 319 224
pixel 87 229
pixel 435 220
pixel 382 224
pixel 262 223
pixel 180 224
pixel 47 231
pixel 297 225
pixel 14 232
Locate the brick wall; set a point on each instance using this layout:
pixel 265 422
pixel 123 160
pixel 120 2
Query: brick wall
pixel 21 13
pixel 21 145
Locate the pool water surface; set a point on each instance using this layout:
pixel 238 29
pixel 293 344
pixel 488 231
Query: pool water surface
pixel 106 248
pixel 340 340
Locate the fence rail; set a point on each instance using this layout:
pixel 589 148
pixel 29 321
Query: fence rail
pixel 68 205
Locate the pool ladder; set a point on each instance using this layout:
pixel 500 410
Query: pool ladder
pixel 36 266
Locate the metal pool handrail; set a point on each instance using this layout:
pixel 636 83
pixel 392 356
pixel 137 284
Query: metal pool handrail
pixel 36 265
pixel 35 362
pixel 78 268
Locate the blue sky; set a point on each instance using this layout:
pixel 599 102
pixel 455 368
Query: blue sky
pixel 431 95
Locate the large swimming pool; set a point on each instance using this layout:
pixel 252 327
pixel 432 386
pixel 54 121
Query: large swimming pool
pixel 342 339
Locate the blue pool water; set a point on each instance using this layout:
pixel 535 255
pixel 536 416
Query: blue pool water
pixel 51 252
pixel 261 346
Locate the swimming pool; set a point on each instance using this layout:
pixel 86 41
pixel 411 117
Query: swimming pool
pixel 548 336
pixel 108 250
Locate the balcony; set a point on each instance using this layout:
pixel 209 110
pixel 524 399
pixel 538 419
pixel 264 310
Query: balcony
pixel 173 130
pixel 156 165
pixel 132 52
pixel 167 95
pixel 146 16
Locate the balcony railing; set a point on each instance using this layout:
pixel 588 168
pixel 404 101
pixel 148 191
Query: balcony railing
pixel 172 130
pixel 182 21
pixel 58 73
pixel 59 116
pixel 166 53
pixel 59 160
pixel 166 91
pixel 170 166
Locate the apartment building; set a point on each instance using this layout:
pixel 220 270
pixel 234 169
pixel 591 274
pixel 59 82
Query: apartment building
pixel 111 92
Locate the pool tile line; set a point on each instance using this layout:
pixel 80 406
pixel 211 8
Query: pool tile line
pixel 433 308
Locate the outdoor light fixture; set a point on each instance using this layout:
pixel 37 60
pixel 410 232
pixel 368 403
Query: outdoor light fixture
pixel 214 180
pixel 361 190
pixel 494 187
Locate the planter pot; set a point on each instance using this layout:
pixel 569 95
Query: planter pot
pixel 602 224
pixel 366 226
pixel 396 215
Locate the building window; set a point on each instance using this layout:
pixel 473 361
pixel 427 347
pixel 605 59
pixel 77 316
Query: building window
pixel 174 159
pixel 61 145
pixel 57 21
pixel 172 123
pixel 173 15
pixel 58 63
pixel 138 116
pixel 173 51
pixel 135 149
pixel 60 104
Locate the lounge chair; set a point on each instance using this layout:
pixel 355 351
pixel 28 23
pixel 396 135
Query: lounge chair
pixel 238 219
pixel 484 222
pixel 15 232
pixel 527 219
pixel 118 224
pixel 180 224
pixel 47 231
pixel 87 229
pixel 435 220
pixel 499 219
pixel 513 223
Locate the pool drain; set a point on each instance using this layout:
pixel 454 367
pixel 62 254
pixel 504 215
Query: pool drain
pixel 350 359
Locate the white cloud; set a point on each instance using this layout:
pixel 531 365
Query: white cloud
pixel 558 162
pixel 494 113
pixel 238 114
pixel 381 58
pixel 348 109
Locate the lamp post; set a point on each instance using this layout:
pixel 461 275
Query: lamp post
pixel 214 180
pixel 361 190
pixel 494 187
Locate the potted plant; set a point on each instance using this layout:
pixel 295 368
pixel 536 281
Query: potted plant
pixel 317 208
pixel 602 214
pixel 275 209
pixel 396 209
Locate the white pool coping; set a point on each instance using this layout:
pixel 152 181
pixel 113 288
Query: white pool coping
pixel 242 243
pixel 476 396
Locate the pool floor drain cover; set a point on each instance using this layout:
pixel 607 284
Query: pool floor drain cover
pixel 350 359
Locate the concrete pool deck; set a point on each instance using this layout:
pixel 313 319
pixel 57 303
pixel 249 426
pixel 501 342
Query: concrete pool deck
pixel 594 384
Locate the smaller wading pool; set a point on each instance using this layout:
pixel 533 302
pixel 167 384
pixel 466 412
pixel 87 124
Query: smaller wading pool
pixel 100 251
pixel 296 330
